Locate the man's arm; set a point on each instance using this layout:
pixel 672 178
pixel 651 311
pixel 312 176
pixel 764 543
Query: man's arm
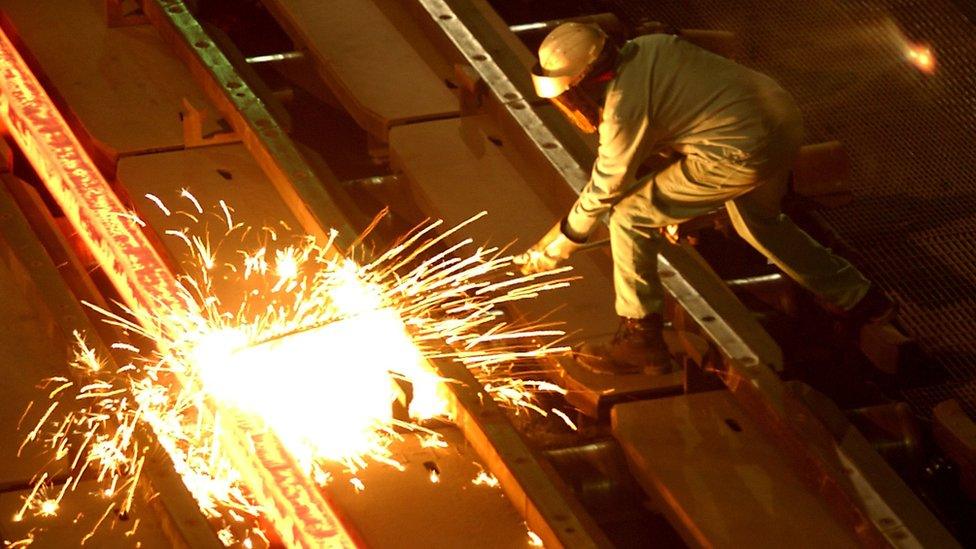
pixel 617 161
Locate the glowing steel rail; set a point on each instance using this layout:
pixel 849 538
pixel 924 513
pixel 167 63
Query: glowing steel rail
pixel 294 506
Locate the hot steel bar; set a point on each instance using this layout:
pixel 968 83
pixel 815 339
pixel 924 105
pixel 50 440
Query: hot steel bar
pixel 295 507
pixel 183 525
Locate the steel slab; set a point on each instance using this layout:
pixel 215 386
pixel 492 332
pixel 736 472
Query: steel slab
pixel 123 85
pixel 77 515
pixel 718 478
pixel 406 509
pixel 370 62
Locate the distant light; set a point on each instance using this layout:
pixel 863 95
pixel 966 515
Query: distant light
pixel 274 57
pixel 922 57
pixel 527 27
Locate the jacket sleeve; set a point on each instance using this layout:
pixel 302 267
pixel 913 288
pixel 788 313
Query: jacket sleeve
pixel 618 158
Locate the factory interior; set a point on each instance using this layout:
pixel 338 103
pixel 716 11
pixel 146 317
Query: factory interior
pixel 264 280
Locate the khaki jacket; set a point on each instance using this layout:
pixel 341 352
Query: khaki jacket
pixel 669 95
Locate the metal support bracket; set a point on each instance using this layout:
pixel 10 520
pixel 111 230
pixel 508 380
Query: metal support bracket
pixel 193 119
pixel 472 89
pixel 122 13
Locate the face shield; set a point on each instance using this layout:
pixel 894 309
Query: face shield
pixel 566 56
pixel 579 107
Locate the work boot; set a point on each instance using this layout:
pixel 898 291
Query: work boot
pixel 874 307
pixel 638 347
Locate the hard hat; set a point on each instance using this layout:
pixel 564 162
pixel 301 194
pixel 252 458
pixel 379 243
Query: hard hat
pixel 566 56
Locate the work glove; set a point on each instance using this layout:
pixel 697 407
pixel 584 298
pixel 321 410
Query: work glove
pixel 670 232
pixel 554 248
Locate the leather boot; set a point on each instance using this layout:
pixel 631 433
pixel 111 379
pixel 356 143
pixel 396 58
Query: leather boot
pixel 874 307
pixel 638 347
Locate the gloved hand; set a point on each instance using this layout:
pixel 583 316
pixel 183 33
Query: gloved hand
pixel 554 248
pixel 670 232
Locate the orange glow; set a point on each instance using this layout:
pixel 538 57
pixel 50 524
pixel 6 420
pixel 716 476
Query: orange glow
pixel 922 57
pixel 295 507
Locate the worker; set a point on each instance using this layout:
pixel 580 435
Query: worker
pixel 733 134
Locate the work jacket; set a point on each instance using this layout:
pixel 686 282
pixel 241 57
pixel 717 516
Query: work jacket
pixel 669 95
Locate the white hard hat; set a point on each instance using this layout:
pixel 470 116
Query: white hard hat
pixel 565 57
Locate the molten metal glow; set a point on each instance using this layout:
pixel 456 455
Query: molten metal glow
pixel 313 362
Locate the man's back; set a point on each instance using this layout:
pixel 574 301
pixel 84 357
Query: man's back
pixel 696 102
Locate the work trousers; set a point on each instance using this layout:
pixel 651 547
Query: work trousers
pixel 751 192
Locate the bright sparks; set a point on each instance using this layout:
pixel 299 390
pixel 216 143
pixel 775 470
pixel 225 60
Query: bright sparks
pixel 316 352
pixel 485 479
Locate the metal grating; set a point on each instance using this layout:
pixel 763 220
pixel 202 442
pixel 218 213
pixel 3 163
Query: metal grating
pixel 911 136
